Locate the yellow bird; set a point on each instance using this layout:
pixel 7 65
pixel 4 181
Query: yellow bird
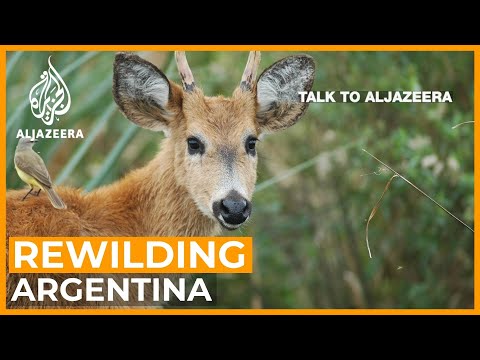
pixel 32 170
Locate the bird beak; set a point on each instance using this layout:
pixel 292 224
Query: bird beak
pixel 34 140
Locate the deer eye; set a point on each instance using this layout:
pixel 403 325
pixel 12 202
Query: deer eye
pixel 250 145
pixel 195 146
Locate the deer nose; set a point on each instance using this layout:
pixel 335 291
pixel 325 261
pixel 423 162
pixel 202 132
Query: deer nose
pixel 234 209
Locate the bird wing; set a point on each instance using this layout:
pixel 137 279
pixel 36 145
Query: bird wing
pixel 34 167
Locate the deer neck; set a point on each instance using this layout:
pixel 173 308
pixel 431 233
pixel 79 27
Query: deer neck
pixel 152 198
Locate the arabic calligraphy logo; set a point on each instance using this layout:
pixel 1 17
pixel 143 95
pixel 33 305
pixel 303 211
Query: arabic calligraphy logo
pixel 49 98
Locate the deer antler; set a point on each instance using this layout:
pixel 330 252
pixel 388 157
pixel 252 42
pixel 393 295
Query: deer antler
pixel 250 72
pixel 184 70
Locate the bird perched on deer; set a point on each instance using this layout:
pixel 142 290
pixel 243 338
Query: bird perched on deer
pixel 204 176
pixel 32 170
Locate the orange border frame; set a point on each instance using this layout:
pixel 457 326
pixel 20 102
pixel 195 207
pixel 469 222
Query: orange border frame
pixel 5 48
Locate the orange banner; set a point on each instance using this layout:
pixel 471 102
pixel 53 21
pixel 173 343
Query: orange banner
pixel 130 255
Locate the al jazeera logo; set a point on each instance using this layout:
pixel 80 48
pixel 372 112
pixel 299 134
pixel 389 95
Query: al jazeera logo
pixel 49 100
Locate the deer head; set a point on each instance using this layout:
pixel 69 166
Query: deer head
pixel 214 138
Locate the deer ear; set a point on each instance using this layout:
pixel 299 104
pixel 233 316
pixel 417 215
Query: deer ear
pixel 278 87
pixel 143 93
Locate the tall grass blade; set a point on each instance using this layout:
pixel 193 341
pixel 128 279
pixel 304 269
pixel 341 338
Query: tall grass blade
pixel 87 105
pixel 112 157
pixel 82 149
pixel 12 61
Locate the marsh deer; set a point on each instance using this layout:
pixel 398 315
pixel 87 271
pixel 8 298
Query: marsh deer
pixel 203 177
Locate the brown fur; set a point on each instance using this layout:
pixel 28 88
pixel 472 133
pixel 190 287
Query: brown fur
pixel 134 206
pixel 170 196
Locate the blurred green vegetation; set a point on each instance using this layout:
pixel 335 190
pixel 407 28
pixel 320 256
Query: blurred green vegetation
pixel 308 229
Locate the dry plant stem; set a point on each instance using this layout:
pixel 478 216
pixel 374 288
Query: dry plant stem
pixel 420 191
pixel 374 211
pixel 463 123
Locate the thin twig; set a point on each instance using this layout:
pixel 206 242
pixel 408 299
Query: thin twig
pixel 420 191
pixel 463 123
pixel 374 211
